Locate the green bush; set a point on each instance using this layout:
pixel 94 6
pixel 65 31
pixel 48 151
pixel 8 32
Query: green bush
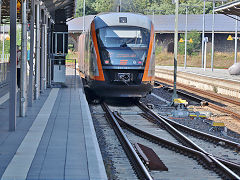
pixel 192 48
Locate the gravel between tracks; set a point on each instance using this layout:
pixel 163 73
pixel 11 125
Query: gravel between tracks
pixel 196 123
pixel 115 160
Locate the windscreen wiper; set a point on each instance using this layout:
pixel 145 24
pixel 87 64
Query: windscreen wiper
pixel 124 44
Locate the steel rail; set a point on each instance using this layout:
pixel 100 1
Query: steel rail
pixel 139 167
pixel 232 101
pixel 190 143
pixel 214 106
pixel 222 109
pixel 162 141
pixel 189 130
pixel 182 127
pixel 204 135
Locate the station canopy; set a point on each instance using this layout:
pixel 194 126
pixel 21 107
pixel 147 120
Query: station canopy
pixel 51 6
pixel 232 8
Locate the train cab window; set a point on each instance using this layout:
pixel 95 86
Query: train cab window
pixel 123 37
pixel 123 45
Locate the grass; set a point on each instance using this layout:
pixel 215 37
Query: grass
pixel 221 60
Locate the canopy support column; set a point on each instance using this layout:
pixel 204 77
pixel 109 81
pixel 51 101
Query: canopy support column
pixel 37 60
pixel 32 43
pixel 23 64
pixel 13 66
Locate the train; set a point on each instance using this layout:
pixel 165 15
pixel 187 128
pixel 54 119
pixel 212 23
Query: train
pixel 117 55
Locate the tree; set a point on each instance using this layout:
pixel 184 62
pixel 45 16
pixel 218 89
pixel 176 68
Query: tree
pixel 139 6
pixel 103 6
pixel 89 8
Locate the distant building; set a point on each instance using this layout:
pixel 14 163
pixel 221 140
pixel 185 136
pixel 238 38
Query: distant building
pixel 164 30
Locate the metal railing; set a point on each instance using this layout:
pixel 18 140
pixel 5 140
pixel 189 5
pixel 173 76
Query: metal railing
pixel 3 73
pixel 4 58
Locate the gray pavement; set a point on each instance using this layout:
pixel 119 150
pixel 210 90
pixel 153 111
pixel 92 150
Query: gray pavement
pixel 67 147
pixel 216 73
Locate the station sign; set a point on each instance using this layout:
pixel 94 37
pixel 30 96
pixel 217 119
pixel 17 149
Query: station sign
pixel 229 38
pixel 181 40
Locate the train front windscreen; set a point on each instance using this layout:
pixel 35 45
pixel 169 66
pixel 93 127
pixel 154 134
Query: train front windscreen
pixel 123 46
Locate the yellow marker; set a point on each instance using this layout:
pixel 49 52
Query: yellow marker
pixel 190 109
pixel 180 101
pixel 7 37
pixel 202 116
pixel 219 124
pixel 181 40
pixel 229 38
pixel 192 115
pixel 190 40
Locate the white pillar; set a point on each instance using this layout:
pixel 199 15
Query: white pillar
pixel 37 59
pixel 23 79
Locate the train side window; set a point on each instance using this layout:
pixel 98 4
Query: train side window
pixel 91 45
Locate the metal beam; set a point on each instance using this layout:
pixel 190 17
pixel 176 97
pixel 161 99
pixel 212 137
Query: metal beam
pixel 203 35
pixel 236 40
pixel 213 23
pixel 42 78
pixel 174 96
pixel 45 53
pixel 23 79
pixel 49 49
pixel 37 60
pixel 32 42
pixel 13 66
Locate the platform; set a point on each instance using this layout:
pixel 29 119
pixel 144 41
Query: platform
pixel 216 73
pixel 218 80
pixel 56 140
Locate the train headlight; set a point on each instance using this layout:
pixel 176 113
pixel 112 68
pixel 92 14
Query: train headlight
pixel 106 61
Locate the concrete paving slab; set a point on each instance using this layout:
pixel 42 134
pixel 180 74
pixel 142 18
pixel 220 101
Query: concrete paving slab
pixel 68 147
pixel 216 73
pixel 21 162
pixel 4 98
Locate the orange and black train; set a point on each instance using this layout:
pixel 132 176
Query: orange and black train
pixel 117 55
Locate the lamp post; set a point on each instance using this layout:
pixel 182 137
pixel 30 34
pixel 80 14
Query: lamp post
pixel 204 4
pixel 175 51
pixel 3 45
pixel 84 15
pixel 236 39
pixel 213 22
pixel 153 13
pixel 186 25
pixel 120 5
pixel 203 41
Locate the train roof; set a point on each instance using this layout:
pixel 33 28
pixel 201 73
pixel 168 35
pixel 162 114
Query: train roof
pixel 165 23
pixel 122 19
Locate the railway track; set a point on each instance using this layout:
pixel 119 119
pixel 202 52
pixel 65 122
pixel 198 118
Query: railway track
pixel 181 143
pixel 209 94
pixel 138 165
